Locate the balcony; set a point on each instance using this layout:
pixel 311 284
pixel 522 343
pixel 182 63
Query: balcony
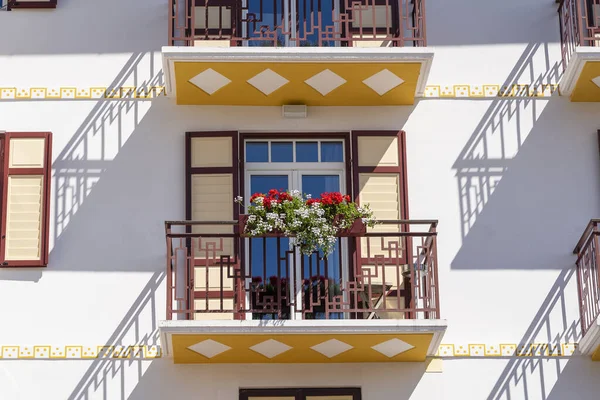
pixel 588 267
pixel 580 46
pixel 302 23
pixel 305 52
pixel 232 299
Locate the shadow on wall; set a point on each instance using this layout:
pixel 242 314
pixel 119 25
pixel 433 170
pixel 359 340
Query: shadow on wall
pixel 388 380
pixel 86 26
pixel 522 182
pixel 472 22
pixel 533 377
pixel 109 378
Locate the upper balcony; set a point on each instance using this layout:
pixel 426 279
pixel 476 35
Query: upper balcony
pixel 580 46
pixel 305 52
pixel 252 300
pixel 301 23
pixel 588 284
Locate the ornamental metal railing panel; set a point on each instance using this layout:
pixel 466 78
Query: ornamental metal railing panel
pixel 389 272
pixel 579 25
pixel 588 268
pixel 358 23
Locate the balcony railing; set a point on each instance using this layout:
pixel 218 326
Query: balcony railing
pixel 588 267
pixel 579 25
pixel 389 273
pixel 358 23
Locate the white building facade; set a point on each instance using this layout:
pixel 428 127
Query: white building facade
pixel 470 127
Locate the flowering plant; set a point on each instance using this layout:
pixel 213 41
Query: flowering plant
pixel 315 222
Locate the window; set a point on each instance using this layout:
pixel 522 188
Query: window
pixel 368 165
pixel 25 185
pixel 17 4
pixel 301 394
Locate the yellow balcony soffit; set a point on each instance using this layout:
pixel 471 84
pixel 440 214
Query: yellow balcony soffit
pixel 306 341
pixel 254 76
pixel 581 80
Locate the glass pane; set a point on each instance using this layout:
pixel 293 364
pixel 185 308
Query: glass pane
pixel 268 257
pixel 332 152
pixel 317 271
pixel 257 152
pixel 317 184
pixel 307 152
pixel 282 152
pixel 263 23
pixel 313 25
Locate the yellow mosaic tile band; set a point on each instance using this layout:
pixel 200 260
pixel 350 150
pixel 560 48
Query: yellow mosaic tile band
pixel 151 352
pixel 483 91
pixel 507 350
pixel 133 92
pixel 79 352
pixel 67 93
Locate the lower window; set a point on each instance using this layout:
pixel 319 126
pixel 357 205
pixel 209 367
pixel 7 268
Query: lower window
pixel 301 394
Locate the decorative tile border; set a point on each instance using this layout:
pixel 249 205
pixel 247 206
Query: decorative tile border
pixel 133 92
pixel 68 93
pixel 79 352
pixel 507 350
pixel 151 352
pixel 489 91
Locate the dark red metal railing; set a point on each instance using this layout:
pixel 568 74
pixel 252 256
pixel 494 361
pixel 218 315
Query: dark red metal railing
pixel 579 25
pixel 213 273
pixel 282 23
pixel 588 267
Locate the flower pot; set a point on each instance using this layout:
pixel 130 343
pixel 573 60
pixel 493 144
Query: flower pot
pixel 358 228
pixel 243 221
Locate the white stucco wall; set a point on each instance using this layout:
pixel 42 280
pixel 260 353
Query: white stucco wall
pixel 513 182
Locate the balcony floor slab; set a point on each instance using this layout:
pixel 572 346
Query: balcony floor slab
pixel 581 80
pixel 301 341
pixel 255 76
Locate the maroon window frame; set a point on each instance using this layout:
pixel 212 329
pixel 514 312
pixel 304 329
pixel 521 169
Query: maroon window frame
pixel 5 173
pixel 300 394
pixel 189 172
pixel 16 4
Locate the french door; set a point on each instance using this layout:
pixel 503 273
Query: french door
pixel 288 22
pixel 269 261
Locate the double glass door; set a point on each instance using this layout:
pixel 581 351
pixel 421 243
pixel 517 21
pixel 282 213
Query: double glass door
pixel 293 285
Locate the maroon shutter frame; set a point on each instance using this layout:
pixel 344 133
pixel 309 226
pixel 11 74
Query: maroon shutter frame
pixel 358 259
pixel 189 172
pixel 45 212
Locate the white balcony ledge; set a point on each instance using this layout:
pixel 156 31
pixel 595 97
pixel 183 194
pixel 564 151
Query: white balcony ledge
pixel 301 341
pixel 313 76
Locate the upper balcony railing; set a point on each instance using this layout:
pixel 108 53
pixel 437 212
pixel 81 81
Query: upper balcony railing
pixel 588 267
pixel 390 272
pixel 279 23
pixel 579 25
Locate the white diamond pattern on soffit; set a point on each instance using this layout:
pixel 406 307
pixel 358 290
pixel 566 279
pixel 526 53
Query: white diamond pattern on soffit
pixel 392 347
pixel 596 80
pixel 325 82
pixel 209 348
pixel 331 348
pixel 267 81
pixel 270 348
pixel 210 80
pixel 383 81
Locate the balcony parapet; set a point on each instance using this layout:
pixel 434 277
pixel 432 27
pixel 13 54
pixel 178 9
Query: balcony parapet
pixel 374 299
pixel 588 285
pixel 580 48
pixel 304 23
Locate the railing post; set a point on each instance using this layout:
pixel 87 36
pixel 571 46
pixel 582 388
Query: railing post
pixel 169 274
pixel 434 269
